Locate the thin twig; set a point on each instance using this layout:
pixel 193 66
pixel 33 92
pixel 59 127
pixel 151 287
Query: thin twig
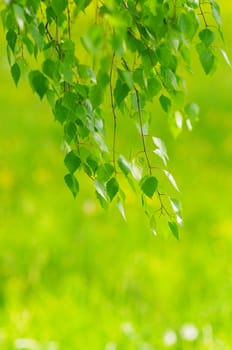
pixel 69 21
pixel 113 111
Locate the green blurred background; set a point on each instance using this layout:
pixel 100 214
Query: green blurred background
pixel 74 277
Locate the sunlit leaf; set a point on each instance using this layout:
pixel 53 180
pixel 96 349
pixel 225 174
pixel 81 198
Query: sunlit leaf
pixel 161 151
pixel 121 208
pixel 100 188
pixel 124 165
pixel 174 229
pixel 226 58
pixel 171 179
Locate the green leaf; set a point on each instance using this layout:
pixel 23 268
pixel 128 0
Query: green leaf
pixel 124 165
pixel 50 68
pixel 72 161
pixel 120 92
pixel 93 163
pixel 112 188
pixel 29 45
pixel 207 36
pixel 207 58
pixel 39 83
pixel 153 87
pixel 60 112
pixel 59 6
pixel 148 185
pixel 11 38
pixel 72 184
pixel 188 23
pixel 70 131
pixel 138 77
pixel 165 103
pixel 174 229
pixel 82 4
pixel 15 72
pixel 169 78
pixel 104 172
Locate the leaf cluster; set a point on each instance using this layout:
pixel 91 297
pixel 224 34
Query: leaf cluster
pixel 136 53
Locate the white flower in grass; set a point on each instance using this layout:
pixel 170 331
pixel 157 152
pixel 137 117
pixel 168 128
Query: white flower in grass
pixel 189 332
pixel 111 346
pixel 170 337
pixel 26 344
pixel 127 328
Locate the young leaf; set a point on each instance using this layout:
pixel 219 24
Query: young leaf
pixel 59 6
pixel 72 162
pixel 124 165
pixel 112 188
pixel 161 151
pixel 171 179
pixel 50 68
pixel 92 162
pixel 100 189
pixel 15 72
pixel 176 207
pixel 193 3
pixel 153 87
pixel 226 58
pixel 174 229
pixel 165 103
pixel 149 185
pixel 104 172
pixel 207 36
pixel 120 92
pixel 11 38
pixel 192 110
pixel 39 83
pixel 207 58
pixel 121 208
pixel 72 184
pixel 216 12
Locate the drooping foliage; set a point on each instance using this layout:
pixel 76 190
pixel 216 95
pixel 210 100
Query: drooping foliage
pixel 101 65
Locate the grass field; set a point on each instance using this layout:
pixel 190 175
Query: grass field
pixel 73 277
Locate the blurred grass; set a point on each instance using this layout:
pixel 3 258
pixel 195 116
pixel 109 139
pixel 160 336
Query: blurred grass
pixel 74 277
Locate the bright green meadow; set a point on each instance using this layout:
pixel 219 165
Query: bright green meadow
pixel 73 277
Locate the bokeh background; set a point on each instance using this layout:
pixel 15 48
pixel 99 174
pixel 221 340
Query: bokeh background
pixel 75 277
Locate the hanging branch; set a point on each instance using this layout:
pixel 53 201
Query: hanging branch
pixel 113 111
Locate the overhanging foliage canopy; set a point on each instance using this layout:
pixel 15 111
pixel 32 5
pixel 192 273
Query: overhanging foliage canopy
pixel 135 51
